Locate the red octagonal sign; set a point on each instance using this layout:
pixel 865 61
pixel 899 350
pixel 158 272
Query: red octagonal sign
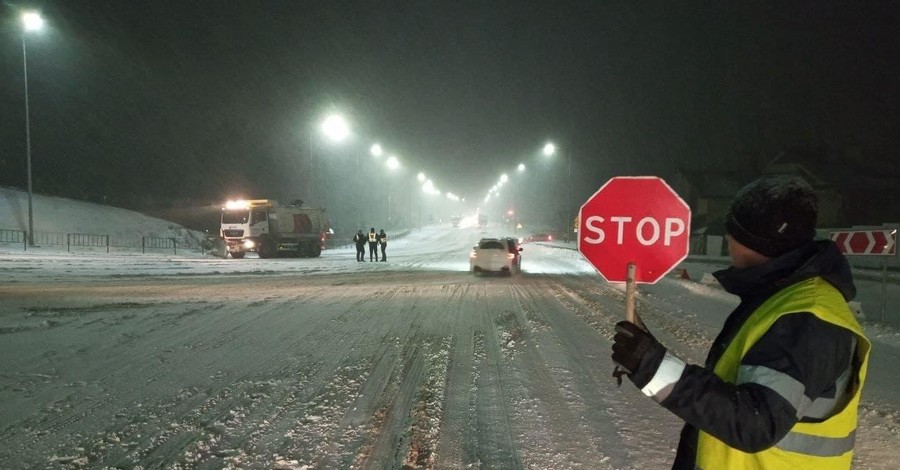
pixel 634 219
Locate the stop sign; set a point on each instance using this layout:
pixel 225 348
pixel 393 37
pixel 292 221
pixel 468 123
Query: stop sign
pixel 634 219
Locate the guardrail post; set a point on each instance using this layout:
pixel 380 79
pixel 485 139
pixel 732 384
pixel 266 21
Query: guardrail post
pixel 68 241
pixel 143 244
pixel 174 246
pixel 24 240
pixel 107 243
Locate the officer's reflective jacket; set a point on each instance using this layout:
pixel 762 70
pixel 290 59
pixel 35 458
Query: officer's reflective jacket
pixel 782 380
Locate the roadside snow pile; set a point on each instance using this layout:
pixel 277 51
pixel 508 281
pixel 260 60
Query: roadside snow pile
pixel 60 215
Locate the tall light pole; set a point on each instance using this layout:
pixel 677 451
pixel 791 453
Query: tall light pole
pixel 31 21
pixel 550 150
pixel 393 164
pixel 421 178
pixel 376 152
pixel 335 128
pixel 517 205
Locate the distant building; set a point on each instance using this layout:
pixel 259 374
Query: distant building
pixel 849 193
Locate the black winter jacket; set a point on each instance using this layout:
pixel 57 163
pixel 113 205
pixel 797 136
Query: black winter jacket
pixel 750 417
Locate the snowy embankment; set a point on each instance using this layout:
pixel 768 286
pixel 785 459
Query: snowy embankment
pixel 52 216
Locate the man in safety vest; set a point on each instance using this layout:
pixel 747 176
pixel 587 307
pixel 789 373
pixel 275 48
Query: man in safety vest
pixel 373 245
pixel 382 240
pixel 782 381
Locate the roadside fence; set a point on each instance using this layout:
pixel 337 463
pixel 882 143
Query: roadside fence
pixel 14 237
pixel 93 241
pixel 159 243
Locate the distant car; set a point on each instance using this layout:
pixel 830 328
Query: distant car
pixel 492 255
pixel 540 237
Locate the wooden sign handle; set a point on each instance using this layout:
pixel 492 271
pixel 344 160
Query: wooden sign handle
pixel 630 287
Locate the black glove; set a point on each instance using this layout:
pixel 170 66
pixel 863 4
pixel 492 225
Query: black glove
pixel 637 352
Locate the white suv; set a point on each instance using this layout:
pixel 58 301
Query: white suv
pixel 494 255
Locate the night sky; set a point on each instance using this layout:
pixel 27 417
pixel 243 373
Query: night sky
pixel 153 103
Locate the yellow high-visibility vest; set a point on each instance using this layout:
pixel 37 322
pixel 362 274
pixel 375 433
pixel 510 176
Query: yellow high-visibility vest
pixel 827 445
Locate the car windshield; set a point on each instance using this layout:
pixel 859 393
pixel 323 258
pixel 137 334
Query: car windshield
pixel 235 217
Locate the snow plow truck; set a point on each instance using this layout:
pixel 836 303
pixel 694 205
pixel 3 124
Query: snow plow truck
pixel 273 230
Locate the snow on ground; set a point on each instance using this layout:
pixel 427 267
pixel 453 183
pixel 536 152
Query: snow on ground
pixel 189 360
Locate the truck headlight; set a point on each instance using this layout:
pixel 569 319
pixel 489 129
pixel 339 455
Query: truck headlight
pixel 249 244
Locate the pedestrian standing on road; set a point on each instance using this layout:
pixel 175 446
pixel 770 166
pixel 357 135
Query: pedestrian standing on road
pixel 782 381
pixel 382 240
pixel 373 245
pixel 360 240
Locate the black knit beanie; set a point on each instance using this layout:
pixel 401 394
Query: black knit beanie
pixel 773 215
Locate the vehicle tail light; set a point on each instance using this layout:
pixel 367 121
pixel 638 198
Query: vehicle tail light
pixel 510 256
pixel 473 254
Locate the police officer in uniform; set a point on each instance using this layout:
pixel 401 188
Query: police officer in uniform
pixel 373 245
pixel 360 240
pixel 382 240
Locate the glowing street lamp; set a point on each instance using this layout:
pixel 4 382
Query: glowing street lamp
pixel 550 150
pixel 335 128
pixel 376 150
pixel 31 21
pixel 393 163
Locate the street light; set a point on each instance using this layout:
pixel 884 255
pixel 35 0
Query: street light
pixel 393 164
pixel 31 21
pixel 550 150
pixel 336 129
pixel 421 178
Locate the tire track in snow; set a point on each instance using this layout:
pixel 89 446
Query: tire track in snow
pixel 497 445
pixel 457 447
pixel 553 415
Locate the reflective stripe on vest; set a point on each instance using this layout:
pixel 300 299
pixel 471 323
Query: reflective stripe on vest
pixel 825 445
pixel 371 237
pixel 817 445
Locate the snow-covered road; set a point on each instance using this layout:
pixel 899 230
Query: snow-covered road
pixel 187 361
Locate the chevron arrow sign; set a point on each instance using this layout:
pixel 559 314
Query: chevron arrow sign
pixel 866 242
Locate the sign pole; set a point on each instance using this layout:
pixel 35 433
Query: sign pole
pixel 883 286
pixel 630 315
pixel 630 300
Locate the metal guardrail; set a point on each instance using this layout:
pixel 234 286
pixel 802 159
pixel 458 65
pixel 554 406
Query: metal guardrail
pixel 87 240
pixel 159 243
pixel 14 236
pixel 50 238
pixel 92 240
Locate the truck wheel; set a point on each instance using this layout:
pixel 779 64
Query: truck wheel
pixel 315 250
pixel 237 254
pixel 264 250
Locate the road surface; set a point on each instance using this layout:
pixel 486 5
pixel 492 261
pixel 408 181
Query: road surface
pixel 198 362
